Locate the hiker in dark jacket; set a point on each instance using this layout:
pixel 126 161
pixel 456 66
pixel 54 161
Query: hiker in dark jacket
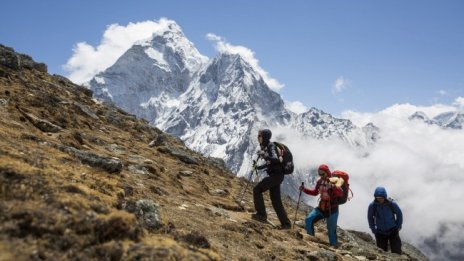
pixel 328 204
pixel 385 221
pixel 272 182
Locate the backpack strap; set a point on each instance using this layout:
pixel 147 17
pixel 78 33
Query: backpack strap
pixel 280 148
pixel 280 151
pixel 349 190
pixel 389 204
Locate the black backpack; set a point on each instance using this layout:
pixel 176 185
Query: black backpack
pixel 286 154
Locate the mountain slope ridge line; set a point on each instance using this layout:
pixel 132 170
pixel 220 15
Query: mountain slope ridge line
pixel 164 202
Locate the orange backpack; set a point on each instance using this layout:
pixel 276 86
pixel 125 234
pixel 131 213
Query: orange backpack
pixel 345 186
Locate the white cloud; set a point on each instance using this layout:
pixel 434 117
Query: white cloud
pixel 224 47
pixel 459 102
pixel 401 112
pixel 213 37
pixel 442 92
pixel 418 164
pixel 340 84
pixel 296 106
pixel 88 60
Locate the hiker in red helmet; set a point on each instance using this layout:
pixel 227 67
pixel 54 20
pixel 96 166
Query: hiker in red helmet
pixel 328 204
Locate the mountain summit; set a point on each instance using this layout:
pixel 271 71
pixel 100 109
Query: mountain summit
pixel 215 106
pixel 148 78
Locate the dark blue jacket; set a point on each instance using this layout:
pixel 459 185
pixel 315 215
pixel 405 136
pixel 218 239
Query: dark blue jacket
pixel 384 218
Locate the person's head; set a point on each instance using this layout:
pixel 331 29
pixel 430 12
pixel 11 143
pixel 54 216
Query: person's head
pixel 380 194
pixel 324 171
pixel 264 137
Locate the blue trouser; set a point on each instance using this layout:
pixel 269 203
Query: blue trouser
pixel 317 215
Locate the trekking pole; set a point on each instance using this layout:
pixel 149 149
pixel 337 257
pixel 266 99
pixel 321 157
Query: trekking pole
pixel 297 206
pixel 246 187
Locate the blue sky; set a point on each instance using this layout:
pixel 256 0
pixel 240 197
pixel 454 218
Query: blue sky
pixel 379 52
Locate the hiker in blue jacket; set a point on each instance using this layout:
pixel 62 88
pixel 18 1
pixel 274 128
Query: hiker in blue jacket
pixel 385 221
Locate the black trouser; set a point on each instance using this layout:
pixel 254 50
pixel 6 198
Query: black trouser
pixel 393 238
pixel 271 183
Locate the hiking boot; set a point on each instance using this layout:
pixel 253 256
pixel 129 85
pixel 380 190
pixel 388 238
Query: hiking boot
pixel 284 227
pixel 258 217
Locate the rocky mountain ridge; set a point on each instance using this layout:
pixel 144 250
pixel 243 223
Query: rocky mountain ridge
pixel 215 110
pixel 447 120
pixel 81 180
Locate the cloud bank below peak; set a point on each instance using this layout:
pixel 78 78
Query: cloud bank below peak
pixel 419 164
pixel 296 107
pixel 400 113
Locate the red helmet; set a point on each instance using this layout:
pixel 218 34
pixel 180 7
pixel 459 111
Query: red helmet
pixel 326 169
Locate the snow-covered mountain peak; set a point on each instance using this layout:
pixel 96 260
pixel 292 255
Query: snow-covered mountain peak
pixel 172 42
pixel 419 115
pixel 452 120
pixel 236 80
pixel 235 66
pixel 321 125
pixel 447 120
pixel 372 132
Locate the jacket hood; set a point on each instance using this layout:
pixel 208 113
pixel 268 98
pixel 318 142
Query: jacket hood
pixel 380 192
pixel 326 169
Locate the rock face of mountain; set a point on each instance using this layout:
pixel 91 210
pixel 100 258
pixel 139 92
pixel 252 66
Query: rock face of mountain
pixel 215 107
pixel 318 124
pixel 149 77
pixel 447 120
pixel 81 180
pixel 421 116
pixel 451 120
pixel 222 108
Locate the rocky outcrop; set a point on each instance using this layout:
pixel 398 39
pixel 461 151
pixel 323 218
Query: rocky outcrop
pixel 41 124
pixel 149 212
pixel 109 164
pixel 180 154
pixel 16 61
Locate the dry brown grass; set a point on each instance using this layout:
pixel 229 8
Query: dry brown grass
pixel 54 207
